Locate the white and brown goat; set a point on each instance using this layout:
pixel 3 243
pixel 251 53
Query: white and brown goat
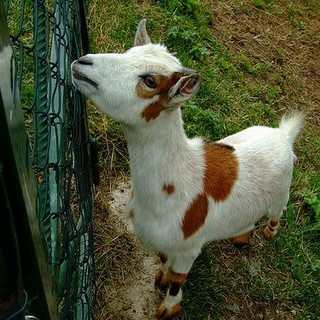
pixel 187 192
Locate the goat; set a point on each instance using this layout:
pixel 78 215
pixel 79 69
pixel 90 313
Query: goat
pixel 186 192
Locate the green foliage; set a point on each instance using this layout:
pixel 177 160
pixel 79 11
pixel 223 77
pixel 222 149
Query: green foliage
pixel 189 40
pixel 185 30
pixel 203 122
pixel 201 291
pixel 313 4
pixel 259 69
pixel 301 12
pixel 263 4
pixel 312 201
pixel 191 9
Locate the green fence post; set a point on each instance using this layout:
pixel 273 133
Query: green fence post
pixel 18 181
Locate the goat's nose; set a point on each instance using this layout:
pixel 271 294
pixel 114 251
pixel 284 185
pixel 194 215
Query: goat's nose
pixel 85 60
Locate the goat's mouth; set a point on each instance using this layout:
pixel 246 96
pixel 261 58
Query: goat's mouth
pixel 81 77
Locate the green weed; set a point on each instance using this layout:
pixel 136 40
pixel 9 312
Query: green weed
pixel 202 122
pixel 263 4
pixel 311 197
pixel 201 291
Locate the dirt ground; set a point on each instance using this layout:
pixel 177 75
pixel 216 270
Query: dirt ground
pixel 125 269
pixel 289 38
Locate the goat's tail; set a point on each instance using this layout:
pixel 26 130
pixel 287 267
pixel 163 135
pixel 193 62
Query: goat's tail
pixel 291 125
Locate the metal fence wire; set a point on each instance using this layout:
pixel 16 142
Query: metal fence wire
pixel 46 37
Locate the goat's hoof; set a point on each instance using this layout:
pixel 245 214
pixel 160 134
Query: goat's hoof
pixel 271 229
pixel 269 234
pixel 242 240
pixel 160 283
pixel 164 313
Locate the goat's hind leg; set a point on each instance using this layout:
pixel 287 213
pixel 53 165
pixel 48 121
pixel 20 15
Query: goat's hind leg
pixel 274 214
pixel 272 226
pixel 271 229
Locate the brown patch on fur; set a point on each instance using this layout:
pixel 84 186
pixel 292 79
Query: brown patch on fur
pixel 169 189
pixel 153 110
pixel 195 216
pixel 160 281
pixel 175 280
pixel 164 84
pixel 221 170
pixel 164 281
pixel 165 314
pixel 176 277
pixel 220 175
pixel 267 233
pixel 242 240
pixel 274 224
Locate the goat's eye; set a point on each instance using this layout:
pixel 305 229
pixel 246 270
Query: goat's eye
pixel 149 81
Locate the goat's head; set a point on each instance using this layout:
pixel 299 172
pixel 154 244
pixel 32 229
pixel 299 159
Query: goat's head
pixel 138 85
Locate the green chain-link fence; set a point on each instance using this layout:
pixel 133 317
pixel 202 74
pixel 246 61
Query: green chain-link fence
pixel 46 36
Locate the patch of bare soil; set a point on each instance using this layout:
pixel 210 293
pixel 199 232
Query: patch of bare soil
pixel 125 269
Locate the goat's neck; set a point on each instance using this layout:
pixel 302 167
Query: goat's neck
pixel 159 149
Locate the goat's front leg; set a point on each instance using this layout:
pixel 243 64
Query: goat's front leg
pixel 170 305
pixel 171 278
pixel 161 280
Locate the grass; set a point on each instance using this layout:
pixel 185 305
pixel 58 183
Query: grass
pixel 258 60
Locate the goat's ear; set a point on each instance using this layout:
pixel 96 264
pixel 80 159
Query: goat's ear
pixel 142 36
pixel 184 89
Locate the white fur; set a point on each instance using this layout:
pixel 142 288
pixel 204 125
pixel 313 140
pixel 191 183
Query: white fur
pixel 160 153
